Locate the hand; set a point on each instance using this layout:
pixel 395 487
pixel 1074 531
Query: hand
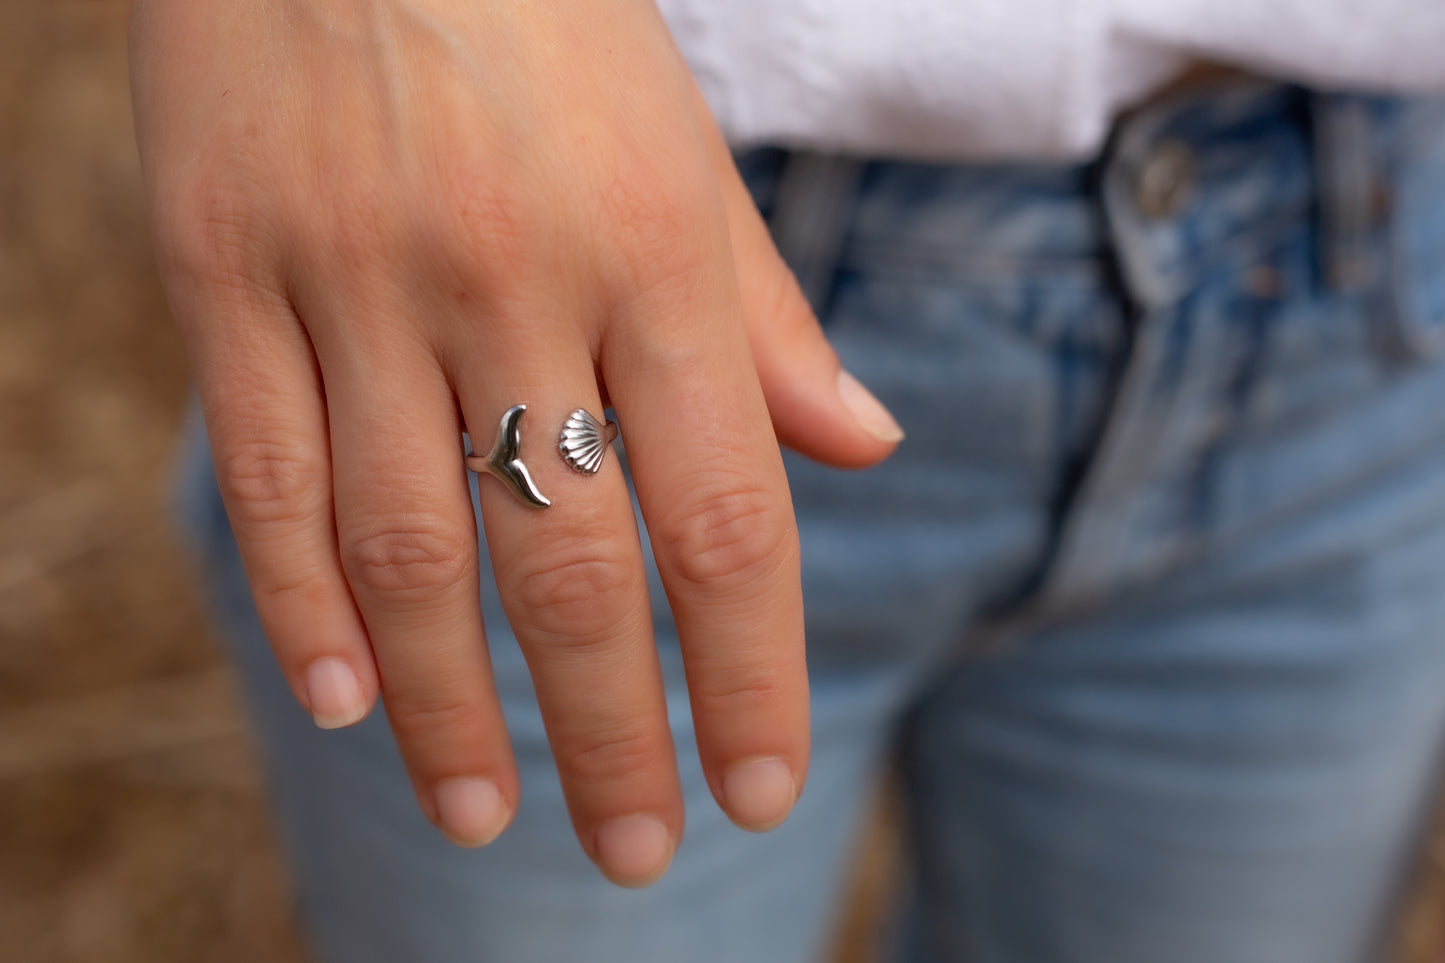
pixel 381 222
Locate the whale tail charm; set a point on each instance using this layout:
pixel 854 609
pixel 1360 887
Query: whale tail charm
pixel 505 463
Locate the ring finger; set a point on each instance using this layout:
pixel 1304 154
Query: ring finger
pixel 572 582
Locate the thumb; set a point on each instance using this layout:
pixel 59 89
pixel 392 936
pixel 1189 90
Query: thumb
pixel 818 409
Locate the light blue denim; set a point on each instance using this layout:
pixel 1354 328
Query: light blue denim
pixel 1146 616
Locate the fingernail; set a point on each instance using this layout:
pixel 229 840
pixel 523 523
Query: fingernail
pixel 868 410
pixel 759 794
pixel 470 812
pixel 633 851
pixel 334 693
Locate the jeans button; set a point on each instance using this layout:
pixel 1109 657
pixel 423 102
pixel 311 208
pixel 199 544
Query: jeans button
pixel 1165 181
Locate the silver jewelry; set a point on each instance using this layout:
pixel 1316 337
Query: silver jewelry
pixel 584 441
pixel 505 463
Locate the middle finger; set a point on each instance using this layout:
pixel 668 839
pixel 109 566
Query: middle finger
pixel 409 550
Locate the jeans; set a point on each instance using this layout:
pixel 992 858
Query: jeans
pixel 1146 616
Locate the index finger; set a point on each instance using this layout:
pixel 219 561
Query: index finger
pixel 710 480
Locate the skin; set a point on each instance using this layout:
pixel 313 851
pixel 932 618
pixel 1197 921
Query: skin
pixel 380 222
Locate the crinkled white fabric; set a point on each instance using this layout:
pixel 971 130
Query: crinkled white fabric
pixel 973 79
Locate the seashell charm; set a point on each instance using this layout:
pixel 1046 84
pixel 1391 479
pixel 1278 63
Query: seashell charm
pixel 585 440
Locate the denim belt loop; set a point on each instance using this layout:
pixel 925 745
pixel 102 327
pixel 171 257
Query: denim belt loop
pixel 1413 293
pixel 1359 152
pixel 1347 192
pixel 811 211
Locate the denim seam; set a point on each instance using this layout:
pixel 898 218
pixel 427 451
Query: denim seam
pixel 812 208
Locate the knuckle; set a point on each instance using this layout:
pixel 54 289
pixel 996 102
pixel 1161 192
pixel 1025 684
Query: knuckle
pixel 308 591
pixel 493 223
pixel 357 227
pixel 414 557
pixel 728 537
pixel 209 230
pixel 266 480
pixel 654 222
pixel 655 216
pixel 741 691
pixel 614 753
pixel 415 716
pixel 572 592
pixel 289 602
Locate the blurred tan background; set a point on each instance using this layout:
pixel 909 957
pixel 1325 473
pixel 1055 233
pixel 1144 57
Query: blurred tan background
pixel 132 818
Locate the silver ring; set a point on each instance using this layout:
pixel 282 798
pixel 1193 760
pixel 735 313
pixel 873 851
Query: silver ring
pixel 504 461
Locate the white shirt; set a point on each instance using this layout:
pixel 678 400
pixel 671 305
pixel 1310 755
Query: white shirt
pixel 972 79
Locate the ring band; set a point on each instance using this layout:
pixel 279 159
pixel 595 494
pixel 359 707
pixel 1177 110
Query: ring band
pixel 504 461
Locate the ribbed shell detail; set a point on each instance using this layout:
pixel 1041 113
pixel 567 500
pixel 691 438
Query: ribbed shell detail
pixel 585 440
